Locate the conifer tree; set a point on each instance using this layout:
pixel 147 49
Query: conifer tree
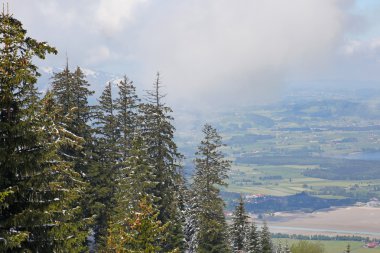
pixel 348 249
pixel 239 227
pixel 104 173
pixel 21 153
pixel 141 231
pixel 210 172
pixel 71 91
pixel 158 134
pixel 266 241
pixel 59 188
pixel 134 225
pixel 287 249
pixel 191 228
pixel 127 118
pixel 252 242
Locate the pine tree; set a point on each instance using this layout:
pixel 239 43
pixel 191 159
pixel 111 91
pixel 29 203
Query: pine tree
pixel 157 132
pixel 210 172
pixel 348 249
pixel 239 227
pixel 21 154
pixel 252 242
pixel 104 173
pixel 266 241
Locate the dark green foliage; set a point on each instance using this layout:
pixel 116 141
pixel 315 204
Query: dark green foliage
pixel 70 92
pixel 140 231
pixel 157 132
pixel 210 172
pixel 103 173
pixel 39 191
pixel 239 227
pixel 127 117
pixel 21 154
pixel 134 225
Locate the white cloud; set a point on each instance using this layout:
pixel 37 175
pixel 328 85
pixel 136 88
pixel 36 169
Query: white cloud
pixel 113 15
pixel 205 49
pixel 362 48
pixel 242 49
pixel 98 54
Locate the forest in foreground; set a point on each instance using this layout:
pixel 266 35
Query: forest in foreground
pixel 105 178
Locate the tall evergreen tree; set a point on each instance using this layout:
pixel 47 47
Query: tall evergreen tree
pixel 210 172
pixel 266 240
pixel 71 92
pixel 103 174
pixel 59 188
pixel 127 118
pixel 239 227
pixel 252 242
pixel 21 154
pixel 157 132
pixel 134 225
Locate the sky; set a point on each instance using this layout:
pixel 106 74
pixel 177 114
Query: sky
pixel 214 52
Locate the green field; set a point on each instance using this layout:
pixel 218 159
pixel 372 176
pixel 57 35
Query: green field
pixel 335 246
pixel 248 179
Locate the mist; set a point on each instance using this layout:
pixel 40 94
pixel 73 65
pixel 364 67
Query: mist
pixel 209 53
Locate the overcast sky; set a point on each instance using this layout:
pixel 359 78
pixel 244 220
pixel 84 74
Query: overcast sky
pixel 211 50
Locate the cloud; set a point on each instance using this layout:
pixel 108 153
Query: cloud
pixel 113 15
pixel 243 49
pixel 98 54
pixel 208 51
pixel 367 48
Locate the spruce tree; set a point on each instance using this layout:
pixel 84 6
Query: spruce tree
pixel 59 187
pixel 127 115
pixel 191 228
pixel 103 174
pixel 141 231
pixel 348 249
pixel 210 173
pixel 21 153
pixel 266 240
pixel 239 227
pixel 252 241
pixel 71 92
pixel 158 134
pixel 134 225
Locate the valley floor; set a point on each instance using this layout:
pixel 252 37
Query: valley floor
pixel 355 220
